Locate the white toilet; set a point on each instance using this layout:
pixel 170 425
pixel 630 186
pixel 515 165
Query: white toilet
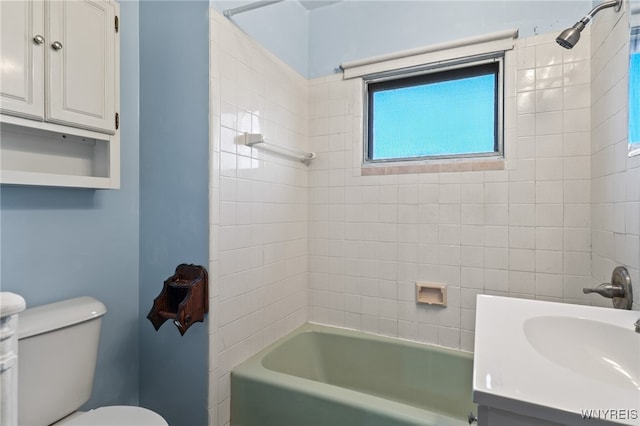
pixel 57 352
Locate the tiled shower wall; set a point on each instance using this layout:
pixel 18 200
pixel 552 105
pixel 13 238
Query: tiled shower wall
pixel 355 245
pixel 523 231
pixel 615 189
pixel 258 267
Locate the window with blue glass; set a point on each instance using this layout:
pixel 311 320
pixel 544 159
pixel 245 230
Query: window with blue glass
pixel 439 113
pixel 634 90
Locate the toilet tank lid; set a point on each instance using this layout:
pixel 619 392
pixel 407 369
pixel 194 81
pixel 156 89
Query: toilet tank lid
pixel 52 316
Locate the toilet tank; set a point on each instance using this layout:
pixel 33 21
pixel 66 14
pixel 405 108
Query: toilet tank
pixel 57 352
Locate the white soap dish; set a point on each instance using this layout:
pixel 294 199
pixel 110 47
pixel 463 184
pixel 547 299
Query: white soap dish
pixel 431 293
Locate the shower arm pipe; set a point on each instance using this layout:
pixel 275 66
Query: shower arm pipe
pixel 607 4
pixel 247 7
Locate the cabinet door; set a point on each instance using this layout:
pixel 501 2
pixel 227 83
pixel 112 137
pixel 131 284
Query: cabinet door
pixel 22 50
pixel 81 58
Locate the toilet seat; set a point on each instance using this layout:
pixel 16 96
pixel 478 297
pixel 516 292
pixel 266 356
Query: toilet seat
pixel 117 415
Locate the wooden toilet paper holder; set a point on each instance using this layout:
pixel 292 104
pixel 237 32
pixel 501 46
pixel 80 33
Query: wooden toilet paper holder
pixel 184 298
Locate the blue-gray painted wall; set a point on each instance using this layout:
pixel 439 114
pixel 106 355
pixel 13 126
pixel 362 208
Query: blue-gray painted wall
pixel 119 246
pixel 282 28
pixel 174 222
pixel 60 243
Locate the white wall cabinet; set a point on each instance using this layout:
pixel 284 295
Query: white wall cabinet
pixel 22 71
pixel 59 93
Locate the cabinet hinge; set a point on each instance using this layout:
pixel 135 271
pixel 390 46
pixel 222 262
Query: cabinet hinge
pixel 117 121
pixel 117 24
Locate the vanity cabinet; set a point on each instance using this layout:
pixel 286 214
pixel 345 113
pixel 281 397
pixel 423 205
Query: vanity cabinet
pixel 59 93
pixel 491 416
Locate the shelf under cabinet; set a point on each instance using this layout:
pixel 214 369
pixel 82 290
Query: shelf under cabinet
pixel 53 155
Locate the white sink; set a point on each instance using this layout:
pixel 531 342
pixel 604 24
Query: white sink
pixel 555 361
pixel 602 351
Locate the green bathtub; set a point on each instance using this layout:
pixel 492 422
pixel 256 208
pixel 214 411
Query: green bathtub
pixel 321 375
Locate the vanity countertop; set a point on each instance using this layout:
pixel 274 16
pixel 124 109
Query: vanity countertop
pixel 557 361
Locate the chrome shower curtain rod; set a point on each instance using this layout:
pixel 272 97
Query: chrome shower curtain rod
pixel 247 7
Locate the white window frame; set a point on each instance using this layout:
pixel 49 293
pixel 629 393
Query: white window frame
pixel 439 55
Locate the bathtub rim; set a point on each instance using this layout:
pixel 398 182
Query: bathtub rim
pixel 253 369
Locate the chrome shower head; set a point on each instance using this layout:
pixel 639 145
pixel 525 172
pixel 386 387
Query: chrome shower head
pixel 570 37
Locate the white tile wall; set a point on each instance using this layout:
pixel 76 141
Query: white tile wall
pixel 259 206
pixel 291 244
pixel 523 231
pixel 614 187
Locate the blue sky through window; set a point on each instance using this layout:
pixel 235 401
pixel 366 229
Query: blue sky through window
pixel 442 118
pixel 634 98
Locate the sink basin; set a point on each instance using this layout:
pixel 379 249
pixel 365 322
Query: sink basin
pixel 602 351
pixel 554 362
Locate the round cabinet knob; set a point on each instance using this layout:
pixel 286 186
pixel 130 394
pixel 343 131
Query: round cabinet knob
pixel 38 39
pixel 56 45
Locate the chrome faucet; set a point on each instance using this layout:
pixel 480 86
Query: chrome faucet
pixel 606 290
pixel 619 290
